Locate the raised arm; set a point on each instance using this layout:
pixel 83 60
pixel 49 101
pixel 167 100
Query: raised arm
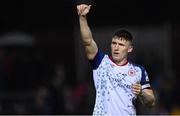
pixel 86 34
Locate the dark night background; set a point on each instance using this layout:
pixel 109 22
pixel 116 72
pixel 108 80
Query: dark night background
pixel 41 78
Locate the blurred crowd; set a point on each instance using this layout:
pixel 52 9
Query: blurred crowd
pixel 165 85
pixel 30 85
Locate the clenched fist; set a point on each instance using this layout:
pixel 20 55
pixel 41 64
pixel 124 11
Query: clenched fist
pixel 137 89
pixel 83 9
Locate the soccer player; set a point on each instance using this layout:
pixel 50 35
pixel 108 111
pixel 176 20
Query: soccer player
pixel 118 82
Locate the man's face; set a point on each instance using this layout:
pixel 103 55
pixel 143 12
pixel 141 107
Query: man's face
pixel 120 49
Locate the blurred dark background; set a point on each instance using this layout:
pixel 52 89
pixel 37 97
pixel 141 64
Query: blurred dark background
pixel 41 68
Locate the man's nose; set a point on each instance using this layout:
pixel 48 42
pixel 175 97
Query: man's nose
pixel 116 46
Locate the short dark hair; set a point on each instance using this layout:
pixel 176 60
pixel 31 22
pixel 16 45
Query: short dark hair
pixel 124 34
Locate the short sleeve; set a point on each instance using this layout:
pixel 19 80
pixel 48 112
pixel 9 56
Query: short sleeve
pixel 97 60
pixel 144 79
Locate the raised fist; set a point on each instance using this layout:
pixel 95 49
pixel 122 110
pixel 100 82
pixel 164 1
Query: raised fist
pixel 83 9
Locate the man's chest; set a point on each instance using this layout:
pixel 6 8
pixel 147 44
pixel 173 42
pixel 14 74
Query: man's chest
pixel 123 75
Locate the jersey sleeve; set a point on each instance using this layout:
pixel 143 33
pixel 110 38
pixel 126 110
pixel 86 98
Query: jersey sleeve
pixel 144 79
pixel 97 59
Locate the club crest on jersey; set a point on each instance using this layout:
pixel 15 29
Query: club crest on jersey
pixel 131 72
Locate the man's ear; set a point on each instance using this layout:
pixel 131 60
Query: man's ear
pixel 130 49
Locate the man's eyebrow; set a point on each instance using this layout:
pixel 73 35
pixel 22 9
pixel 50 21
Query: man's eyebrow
pixel 121 44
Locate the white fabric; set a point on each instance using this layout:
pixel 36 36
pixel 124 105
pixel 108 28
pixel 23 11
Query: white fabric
pixel 113 84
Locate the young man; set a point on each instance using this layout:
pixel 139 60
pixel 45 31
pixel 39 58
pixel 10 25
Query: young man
pixel 118 82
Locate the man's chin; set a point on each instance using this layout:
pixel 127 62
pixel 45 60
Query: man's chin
pixel 115 59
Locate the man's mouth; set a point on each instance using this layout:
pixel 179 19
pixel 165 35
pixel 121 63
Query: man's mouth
pixel 116 53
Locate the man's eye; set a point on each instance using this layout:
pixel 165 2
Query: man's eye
pixel 121 44
pixel 113 42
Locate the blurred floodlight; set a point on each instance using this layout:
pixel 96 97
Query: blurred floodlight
pixel 16 39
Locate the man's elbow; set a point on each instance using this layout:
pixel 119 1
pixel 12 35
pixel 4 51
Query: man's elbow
pixel 150 103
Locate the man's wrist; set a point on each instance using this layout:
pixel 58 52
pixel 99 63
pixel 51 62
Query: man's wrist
pixel 141 93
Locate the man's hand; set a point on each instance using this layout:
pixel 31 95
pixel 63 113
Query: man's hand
pixel 137 89
pixel 83 9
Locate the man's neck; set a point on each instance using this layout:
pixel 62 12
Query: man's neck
pixel 120 63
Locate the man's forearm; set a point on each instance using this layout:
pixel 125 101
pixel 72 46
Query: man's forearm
pixel 85 30
pixel 148 99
